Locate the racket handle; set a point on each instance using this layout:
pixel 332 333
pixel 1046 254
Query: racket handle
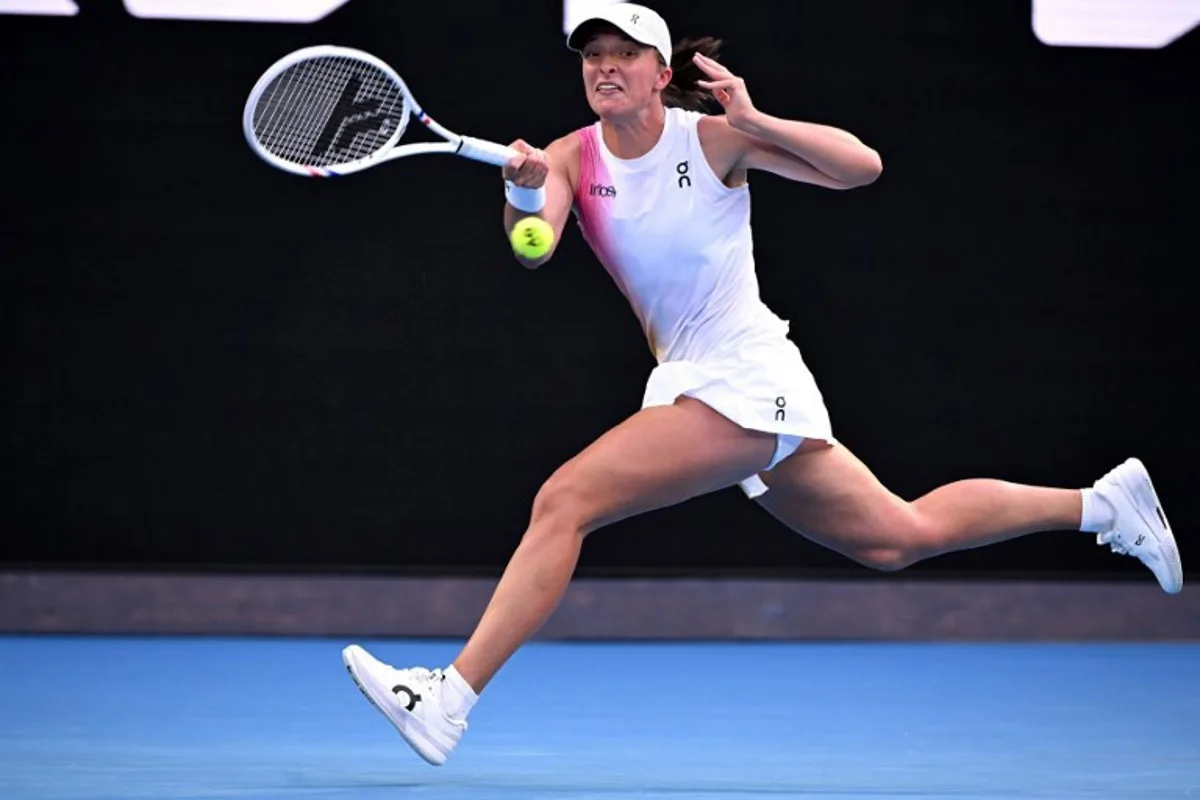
pixel 488 152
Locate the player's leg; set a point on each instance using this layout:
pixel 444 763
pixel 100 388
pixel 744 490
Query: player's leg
pixel 830 496
pixel 659 457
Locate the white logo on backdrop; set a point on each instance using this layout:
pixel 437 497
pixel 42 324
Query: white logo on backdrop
pixel 300 11
pixel 1131 24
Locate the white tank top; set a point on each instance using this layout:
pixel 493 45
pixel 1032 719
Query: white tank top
pixel 675 239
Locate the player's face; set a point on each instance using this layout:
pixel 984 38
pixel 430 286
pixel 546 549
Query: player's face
pixel 621 77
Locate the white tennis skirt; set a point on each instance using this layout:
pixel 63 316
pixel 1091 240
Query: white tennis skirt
pixel 762 385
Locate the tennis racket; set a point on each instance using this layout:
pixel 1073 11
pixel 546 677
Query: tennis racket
pixel 325 111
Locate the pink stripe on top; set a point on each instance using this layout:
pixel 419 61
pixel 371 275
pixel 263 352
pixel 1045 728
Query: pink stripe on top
pixel 594 200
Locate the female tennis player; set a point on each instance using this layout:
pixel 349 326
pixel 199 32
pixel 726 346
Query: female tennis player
pixel 660 193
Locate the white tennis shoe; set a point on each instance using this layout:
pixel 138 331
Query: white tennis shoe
pixel 411 699
pixel 1140 527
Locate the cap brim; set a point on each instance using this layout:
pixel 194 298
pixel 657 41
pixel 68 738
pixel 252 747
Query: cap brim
pixel 582 32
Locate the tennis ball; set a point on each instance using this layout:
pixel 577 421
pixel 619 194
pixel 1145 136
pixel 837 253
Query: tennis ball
pixel 532 237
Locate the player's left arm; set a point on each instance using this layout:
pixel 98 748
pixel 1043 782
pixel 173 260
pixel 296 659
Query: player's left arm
pixel 800 151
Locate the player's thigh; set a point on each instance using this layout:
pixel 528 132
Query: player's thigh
pixel 827 494
pixel 659 457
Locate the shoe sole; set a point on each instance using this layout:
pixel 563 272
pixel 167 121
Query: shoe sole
pixel 1142 490
pixel 424 750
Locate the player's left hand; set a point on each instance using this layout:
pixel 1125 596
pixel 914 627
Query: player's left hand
pixel 728 89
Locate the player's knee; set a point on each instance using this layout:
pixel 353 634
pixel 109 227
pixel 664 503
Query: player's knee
pixel 910 540
pixel 559 506
pixel 886 559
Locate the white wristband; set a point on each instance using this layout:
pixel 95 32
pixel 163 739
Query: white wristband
pixel 525 199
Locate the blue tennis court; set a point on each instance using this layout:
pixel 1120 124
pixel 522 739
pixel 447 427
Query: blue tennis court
pixel 279 718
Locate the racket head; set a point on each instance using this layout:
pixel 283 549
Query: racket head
pixel 326 110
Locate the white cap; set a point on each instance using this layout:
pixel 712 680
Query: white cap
pixel 642 25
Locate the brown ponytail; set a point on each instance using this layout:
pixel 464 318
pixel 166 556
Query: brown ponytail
pixel 682 91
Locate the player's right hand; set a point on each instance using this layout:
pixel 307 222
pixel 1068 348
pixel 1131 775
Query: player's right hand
pixel 529 168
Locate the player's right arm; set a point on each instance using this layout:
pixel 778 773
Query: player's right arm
pixel 549 169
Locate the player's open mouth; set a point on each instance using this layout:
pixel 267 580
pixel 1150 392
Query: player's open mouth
pixel 608 89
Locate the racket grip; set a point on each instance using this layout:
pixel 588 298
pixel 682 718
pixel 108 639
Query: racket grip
pixel 488 152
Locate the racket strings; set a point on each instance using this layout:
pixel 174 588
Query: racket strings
pixel 329 110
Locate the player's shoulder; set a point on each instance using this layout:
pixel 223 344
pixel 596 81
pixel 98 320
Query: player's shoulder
pixel 722 143
pixel 718 137
pixel 715 126
pixel 566 145
pixel 564 152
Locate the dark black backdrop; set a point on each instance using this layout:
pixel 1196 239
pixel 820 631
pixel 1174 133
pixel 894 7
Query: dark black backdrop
pixel 208 363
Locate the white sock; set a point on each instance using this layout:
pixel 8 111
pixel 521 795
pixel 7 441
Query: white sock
pixel 458 696
pixel 1098 514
